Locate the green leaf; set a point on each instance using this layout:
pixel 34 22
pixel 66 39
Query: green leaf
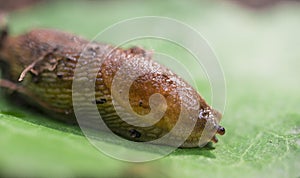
pixel 259 52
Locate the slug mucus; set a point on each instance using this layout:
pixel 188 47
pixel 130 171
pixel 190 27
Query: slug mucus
pixel 38 68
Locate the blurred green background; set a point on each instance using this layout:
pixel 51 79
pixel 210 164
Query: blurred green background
pixel 258 47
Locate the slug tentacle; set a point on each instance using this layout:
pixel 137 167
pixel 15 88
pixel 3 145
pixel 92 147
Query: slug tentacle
pixel 221 130
pixel 45 62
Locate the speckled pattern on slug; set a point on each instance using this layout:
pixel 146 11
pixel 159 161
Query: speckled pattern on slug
pixel 47 60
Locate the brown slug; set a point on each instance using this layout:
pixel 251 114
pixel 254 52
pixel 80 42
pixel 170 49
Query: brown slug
pixel 38 67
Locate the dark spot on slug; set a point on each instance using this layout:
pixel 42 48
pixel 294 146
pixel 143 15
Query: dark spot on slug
pixel 99 101
pixel 70 58
pixel 140 103
pixel 60 76
pixel 91 49
pixel 204 114
pixel 134 133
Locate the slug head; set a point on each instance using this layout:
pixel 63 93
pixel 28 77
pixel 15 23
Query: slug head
pixel 212 118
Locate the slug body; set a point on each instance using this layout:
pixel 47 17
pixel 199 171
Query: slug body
pixel 39 67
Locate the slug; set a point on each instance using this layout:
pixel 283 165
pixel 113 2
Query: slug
pixel 38 68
